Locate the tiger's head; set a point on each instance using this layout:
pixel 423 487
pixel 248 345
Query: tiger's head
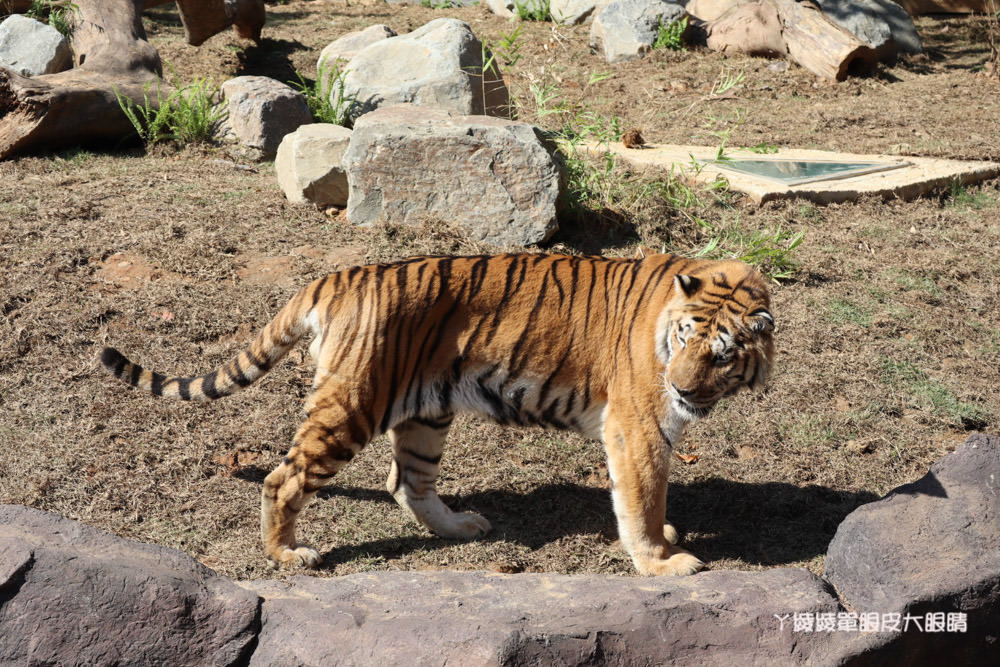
pixel 715 336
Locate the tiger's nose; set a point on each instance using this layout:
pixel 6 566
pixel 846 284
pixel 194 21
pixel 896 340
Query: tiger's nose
pixel 683 393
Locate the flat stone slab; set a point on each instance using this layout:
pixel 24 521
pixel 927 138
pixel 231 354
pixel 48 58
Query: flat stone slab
pixel 475 618
pixel 918 176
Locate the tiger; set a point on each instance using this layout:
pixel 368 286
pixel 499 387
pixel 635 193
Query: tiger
pixel 627 351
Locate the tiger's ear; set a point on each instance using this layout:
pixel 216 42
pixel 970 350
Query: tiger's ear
pixel 642 252
pixel 687 284
pixel 761 321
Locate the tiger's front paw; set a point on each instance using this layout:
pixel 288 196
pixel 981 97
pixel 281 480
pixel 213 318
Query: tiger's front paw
pixel 680 562
pixel 297 557
pixel 462 525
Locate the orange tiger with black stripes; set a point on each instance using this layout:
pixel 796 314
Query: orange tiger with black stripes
pixel 627 351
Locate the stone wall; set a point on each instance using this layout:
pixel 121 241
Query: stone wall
pixel 928 552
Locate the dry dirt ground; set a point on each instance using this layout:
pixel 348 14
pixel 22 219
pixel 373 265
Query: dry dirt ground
pixel 888 339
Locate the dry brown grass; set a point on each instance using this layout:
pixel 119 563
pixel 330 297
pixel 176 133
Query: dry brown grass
pixel 888 336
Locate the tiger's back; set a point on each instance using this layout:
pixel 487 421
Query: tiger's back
pixel 613 348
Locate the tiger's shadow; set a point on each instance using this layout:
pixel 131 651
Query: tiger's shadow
pixel 769 524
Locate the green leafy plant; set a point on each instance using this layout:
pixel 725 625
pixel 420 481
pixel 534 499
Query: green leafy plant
pixel 925 392
pixel 597 77
pixel 327 97
pixel 508 47
pixel 188 114
pixel 532 10
pixel 58 14
pixel 763 148
pixel 960 197
pixel 671 35
pixel 770 250
pixel 722 128
pixel 726 81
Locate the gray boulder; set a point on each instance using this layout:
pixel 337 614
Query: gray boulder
pixel 73 595
pixel 29 47
pixel 309 164
pixel 261 111
pixel 471 618
pixel 573 12
pixel 930 547
pixel 492 176
pixel 881 24
pixel 626 29
pixel 351 44
pixel 439 64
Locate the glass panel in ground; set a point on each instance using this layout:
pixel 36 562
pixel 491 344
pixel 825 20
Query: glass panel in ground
pixel 792 172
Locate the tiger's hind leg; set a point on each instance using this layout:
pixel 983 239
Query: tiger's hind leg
pixel 324 444
pixel 416 459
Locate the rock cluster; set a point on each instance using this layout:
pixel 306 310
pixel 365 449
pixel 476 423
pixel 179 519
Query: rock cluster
pixel 431 139
pixel 928 551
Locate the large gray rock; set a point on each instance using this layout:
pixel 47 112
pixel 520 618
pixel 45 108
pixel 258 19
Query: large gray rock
pixel 261 112
pixel 932 546
pixel 627 29
pixel 572 12
pixel 351 44
pixel 29 47
pixel 309 164
pixel 881 24
pixel 438 64
pixel 73 595
pixel 492 176
pixel 469 618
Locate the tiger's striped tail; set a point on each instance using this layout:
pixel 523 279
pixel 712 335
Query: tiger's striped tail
pixel 271 344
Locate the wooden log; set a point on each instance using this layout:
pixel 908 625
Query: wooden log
pixel 819 44
pixel 797 30
pixel 753 28
pixel 112 56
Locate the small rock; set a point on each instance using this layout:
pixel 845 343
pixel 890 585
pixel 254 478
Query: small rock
pixel 261 112
pixel 309 164
pixel 492 176
pixel 439 64
pixel 29 47
pixel 574 12
pixel 626 29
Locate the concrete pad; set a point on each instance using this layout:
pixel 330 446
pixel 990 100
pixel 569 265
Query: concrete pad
pixel 905 177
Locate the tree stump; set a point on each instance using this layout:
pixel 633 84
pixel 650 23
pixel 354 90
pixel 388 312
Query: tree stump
pixel 111 55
